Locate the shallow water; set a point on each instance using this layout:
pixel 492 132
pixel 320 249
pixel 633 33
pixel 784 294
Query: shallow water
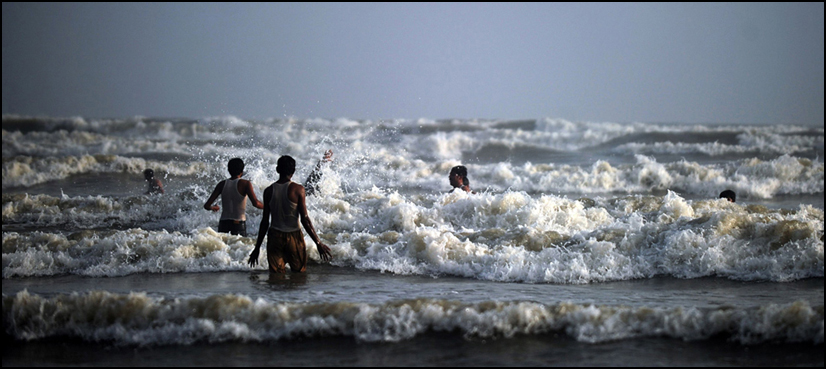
pixel 584 244
pixel 327 284
pixel 434 346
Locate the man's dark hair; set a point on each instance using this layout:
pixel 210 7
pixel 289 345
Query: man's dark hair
pixel 729 194
pixel 235 166
pixel 286 165
pixel 149 174
pixel 462 172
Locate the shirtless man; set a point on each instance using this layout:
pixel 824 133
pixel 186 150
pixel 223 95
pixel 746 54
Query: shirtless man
pixel 154 184
pixel 234 192
pixel 285 202
pixel 315 177
pixel 458 178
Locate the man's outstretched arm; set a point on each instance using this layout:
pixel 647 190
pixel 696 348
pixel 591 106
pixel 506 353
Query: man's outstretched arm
pixel 262 228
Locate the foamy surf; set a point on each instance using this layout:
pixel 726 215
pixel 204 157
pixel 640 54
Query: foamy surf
pixel 139 319
pixel 507 237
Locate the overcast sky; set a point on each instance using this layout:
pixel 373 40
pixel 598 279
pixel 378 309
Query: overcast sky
pixel 617 62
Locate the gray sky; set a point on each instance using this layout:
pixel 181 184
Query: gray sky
pixel 618 62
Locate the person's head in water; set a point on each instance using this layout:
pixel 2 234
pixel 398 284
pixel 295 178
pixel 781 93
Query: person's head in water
pixel 728 194
pixel 235 167
pixel 286 166
pixel 155 185
pixel 458 176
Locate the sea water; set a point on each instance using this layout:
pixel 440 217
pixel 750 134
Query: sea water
pixel 583 243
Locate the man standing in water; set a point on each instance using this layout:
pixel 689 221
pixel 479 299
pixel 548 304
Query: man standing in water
pixel 285 201
pixel 154 184
pixel 234 192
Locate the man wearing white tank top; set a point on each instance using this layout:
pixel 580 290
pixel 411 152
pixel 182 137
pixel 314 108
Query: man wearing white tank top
pixel 285 204
pixel 234 192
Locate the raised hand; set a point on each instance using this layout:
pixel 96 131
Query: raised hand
pixel 328 156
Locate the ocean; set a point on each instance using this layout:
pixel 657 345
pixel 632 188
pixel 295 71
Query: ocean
pixel 582 244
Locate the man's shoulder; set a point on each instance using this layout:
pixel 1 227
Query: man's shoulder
pixel 220 185
pixel 297 189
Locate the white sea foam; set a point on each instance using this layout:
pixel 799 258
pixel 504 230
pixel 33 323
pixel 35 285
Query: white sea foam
pixel 417 153
pixel 27 171
pixel 138 319
pixel 78 143
pixel 510 237
pixel 558 205
pixel 382 202
pixel 751 178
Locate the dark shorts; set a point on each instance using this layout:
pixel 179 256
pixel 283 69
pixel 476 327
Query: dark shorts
pixel 286 248
pixel 236 227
